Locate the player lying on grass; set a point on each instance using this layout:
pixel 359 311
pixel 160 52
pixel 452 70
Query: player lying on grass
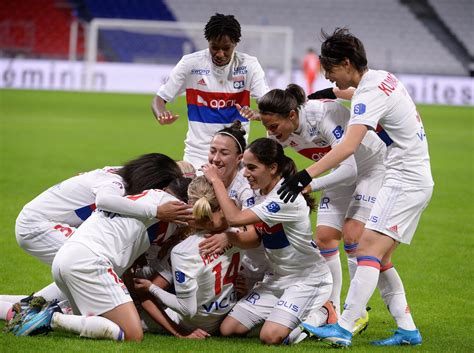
pixel 89 265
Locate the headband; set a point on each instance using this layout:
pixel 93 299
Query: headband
pixel 229 134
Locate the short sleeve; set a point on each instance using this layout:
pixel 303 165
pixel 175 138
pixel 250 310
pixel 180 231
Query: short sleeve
pixel 185 272
pixel 112 185
pixel 258 85
pixel 176 83
pixel 333 124
pixel 368 107
pixel 273 210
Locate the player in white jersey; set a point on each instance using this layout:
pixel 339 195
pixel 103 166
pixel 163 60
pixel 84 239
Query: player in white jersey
pixel 215 80
pixel 88 268
pixel 46 222
pixel 299 281
pixel 380 103
pixel 312 128
pixel 204 285
pixel 226 152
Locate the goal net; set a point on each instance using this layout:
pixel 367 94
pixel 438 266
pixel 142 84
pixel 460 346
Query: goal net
pixel 165 42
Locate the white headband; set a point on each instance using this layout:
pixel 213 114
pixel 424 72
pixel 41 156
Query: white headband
pixel 238 143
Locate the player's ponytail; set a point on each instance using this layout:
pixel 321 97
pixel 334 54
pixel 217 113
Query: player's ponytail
pixel 237 133
pixel 282 102
pixel 203 198
pixel 297 92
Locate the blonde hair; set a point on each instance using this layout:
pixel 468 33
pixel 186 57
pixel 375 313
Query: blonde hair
pixel 203 198
pixel 187 169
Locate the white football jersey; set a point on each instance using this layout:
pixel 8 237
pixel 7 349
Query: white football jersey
pixel 382 103
pixel 209 278
pixel 239 191
pixel 211 95
pixel 122 239
pixel 73 200
pixel 287 235
pixel 322 124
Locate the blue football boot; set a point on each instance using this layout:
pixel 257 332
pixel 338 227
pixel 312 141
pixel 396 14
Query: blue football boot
pixel 401 337
pixel 37 323
pixel 333 334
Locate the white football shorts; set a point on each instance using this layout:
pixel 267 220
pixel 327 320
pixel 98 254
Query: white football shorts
pixel 88 280
pixel 286 302
pixel 397 211
pixel 41 238
pixel 354 201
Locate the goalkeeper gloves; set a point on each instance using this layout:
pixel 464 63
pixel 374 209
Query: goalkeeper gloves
pixel 293 185
pixel 326 93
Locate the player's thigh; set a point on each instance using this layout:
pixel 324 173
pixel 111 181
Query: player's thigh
pixel 126 316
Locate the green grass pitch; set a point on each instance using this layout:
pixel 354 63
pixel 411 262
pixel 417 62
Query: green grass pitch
pixel 46 137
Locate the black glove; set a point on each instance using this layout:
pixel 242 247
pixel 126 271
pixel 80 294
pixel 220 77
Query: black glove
pixel 292 186
pixel 326 93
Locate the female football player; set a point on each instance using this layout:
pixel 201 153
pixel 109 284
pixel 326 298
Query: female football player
pixel 381 103
pixel 313 128
pixel 88 268
pixel 216 81
pixel 47 221
pixel 299 281
pixel 204 285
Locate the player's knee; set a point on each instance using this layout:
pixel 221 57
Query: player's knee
pixel 134 335
pixel 232 327
pixel 269 337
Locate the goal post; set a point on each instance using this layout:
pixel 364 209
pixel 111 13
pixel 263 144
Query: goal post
pixel 165 42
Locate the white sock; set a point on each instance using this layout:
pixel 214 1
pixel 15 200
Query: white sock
pixel 351 258
pixel 87 326
pixel 334 264
pixel 51 292
pixel 315 318
pixel 5 310
pixel 393 295
pixel 361 289
pixel 11 298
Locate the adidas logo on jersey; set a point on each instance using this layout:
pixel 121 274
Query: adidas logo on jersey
pixel 394 228
pixel 202 82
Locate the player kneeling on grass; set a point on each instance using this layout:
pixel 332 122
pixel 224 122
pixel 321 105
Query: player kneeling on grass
pixel 88 268
pixel 46 222
pixel 300 281
pixel 204 285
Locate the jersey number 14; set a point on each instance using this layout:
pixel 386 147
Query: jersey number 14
pixel 230 275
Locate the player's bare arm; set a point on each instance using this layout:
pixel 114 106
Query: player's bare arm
pixel 164 116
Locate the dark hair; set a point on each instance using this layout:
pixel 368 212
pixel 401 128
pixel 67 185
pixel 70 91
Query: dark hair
pixel 338 46
pixel 268 151
pixel 150 171
pixel 222 25
pixel 237 133
pixel 179 188
pixel 282 102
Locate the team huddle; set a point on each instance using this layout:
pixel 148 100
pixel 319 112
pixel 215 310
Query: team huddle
pixel 221 243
